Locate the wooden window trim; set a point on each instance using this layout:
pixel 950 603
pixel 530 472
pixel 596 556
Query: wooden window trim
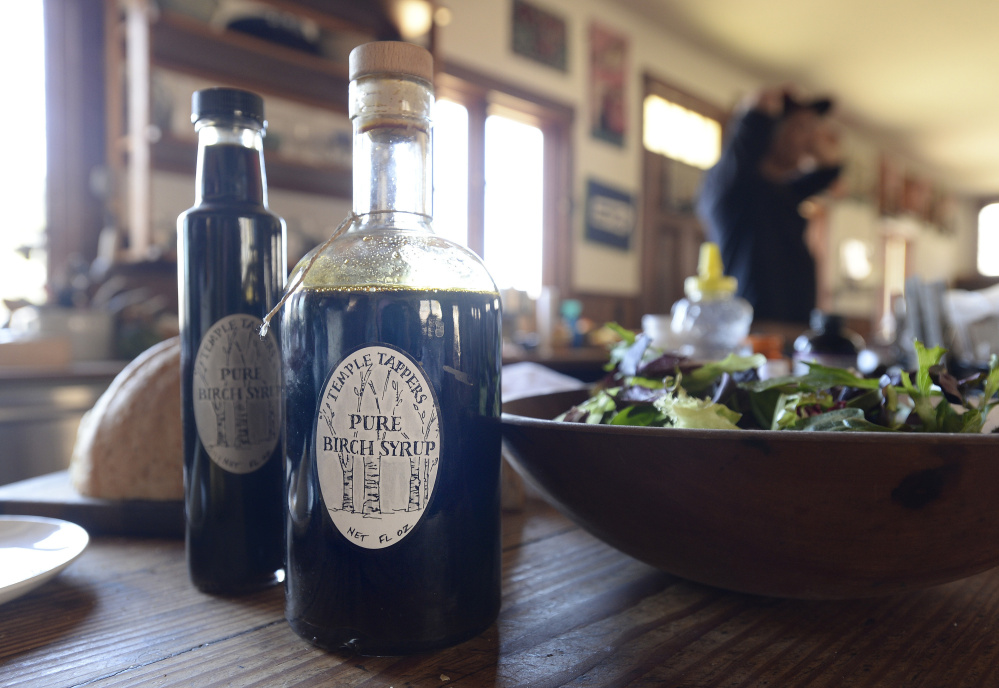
pixel 75 132
pixel 483 95
pixel 661 228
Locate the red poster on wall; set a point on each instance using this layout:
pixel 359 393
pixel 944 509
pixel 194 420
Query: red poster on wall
pixel 608 70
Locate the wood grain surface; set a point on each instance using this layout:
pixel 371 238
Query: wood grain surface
pixel 52 495
pixel 575 612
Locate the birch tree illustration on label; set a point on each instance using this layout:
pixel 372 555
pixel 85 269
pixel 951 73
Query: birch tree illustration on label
pixel 377 445
pixel 237 393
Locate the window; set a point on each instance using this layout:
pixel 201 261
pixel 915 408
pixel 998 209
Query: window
pixel 681 134
pixel 513 199
pixel 500 180
pixel 451 170
pixel 22 252
pixel 514 204
pixel 988 240
pixel 682 137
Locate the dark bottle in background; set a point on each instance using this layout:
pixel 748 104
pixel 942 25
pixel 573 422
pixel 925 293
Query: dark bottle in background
pixel 828 343
pixel 231 271
pixel 392 356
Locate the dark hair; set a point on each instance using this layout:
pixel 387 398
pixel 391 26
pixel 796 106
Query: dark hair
pixel 820 106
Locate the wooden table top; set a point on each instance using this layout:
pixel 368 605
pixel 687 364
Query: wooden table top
pixel 575 612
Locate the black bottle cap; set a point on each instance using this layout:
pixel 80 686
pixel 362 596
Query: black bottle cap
pixel 227 103
pixel 828 322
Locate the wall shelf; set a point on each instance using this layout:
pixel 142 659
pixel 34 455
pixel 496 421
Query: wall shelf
pixel 171 154
pixel 142 36
pixel 189 46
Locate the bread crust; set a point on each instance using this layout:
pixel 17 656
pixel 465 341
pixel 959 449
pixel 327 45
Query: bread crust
pixel 129 446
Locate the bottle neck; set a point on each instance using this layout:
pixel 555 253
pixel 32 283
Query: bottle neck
pixel 392 168
pixel 230 164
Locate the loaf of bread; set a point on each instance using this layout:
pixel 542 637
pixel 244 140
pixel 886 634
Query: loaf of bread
pixel 129 446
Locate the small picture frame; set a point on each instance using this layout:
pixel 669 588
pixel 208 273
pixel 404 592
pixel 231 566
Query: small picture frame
pixel 540 35
pixel 610 216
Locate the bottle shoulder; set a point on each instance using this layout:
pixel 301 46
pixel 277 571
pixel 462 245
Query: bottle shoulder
pixel 230 208
pixel 395 258
pixel 229 219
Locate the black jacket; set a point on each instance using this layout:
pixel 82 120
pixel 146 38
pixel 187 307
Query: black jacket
pixel 757 225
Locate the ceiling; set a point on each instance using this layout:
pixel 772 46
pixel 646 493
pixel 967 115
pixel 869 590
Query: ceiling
pixel 921 75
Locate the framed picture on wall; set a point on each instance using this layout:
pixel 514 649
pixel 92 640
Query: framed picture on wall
pixel 608 81
pixel 539 35
pixel 610 215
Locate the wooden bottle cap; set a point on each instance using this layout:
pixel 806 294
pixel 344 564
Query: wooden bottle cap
pixel 391 57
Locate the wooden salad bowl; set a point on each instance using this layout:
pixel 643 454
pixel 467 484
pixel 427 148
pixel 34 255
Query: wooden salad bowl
pixel 816 515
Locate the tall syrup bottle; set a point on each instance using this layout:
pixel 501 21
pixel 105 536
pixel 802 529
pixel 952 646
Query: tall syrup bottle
pixel 232 268
pixel 392 355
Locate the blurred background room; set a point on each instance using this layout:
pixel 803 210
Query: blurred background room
pixel 571 138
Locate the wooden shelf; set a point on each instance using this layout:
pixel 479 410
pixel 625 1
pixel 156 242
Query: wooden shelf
pixel 142 36
pixel 187 45
pixel 171 154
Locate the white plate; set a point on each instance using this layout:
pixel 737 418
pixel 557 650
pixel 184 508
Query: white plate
pixel 34 549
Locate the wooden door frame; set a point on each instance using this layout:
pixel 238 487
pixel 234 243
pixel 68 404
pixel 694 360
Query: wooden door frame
pixel 656 219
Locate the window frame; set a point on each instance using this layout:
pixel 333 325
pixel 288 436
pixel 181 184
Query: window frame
pixel 483 96
pixel 671 239
pixel 75 104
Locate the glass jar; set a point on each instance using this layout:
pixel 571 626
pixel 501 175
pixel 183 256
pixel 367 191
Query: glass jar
pixel 711 322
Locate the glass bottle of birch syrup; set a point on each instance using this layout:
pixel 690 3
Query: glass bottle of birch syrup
pixel 231 271
pixel 391 347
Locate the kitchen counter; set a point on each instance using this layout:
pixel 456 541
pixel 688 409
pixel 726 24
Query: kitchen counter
pixel 81 371
pixel 40 411
pixel 575 612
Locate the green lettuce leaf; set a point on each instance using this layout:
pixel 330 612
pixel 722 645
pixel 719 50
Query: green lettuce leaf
pixel 703 377
pixel 618 351
pixel 686 411
pixel 642 416
pixel 598 408
pixel 975 415
pixel 840 420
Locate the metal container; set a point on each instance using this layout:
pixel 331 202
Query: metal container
pixel 39 417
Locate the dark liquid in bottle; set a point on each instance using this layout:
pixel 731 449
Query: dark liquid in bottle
pixel 232 261
pixel 440 584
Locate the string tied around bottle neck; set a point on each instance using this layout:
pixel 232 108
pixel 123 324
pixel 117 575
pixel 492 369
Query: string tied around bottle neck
pixel 341 228
pixel 344 225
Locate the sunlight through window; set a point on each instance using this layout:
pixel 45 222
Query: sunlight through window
pixel 514 204
pixel 451 171
pixel 988 240
pixel 22 258
pixel 681 134
pixel 514 193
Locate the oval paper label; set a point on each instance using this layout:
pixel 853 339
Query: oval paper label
pixel 377 445
pixel 237 393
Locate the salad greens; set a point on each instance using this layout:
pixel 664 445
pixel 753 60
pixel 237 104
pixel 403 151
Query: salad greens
pixel 649 387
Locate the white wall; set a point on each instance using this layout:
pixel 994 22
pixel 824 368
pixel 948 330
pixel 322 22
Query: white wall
pixel 479 37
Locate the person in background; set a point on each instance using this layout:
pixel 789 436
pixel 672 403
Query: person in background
pixel 778 152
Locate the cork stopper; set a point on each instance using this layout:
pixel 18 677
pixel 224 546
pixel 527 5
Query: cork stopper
pixel 391 57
